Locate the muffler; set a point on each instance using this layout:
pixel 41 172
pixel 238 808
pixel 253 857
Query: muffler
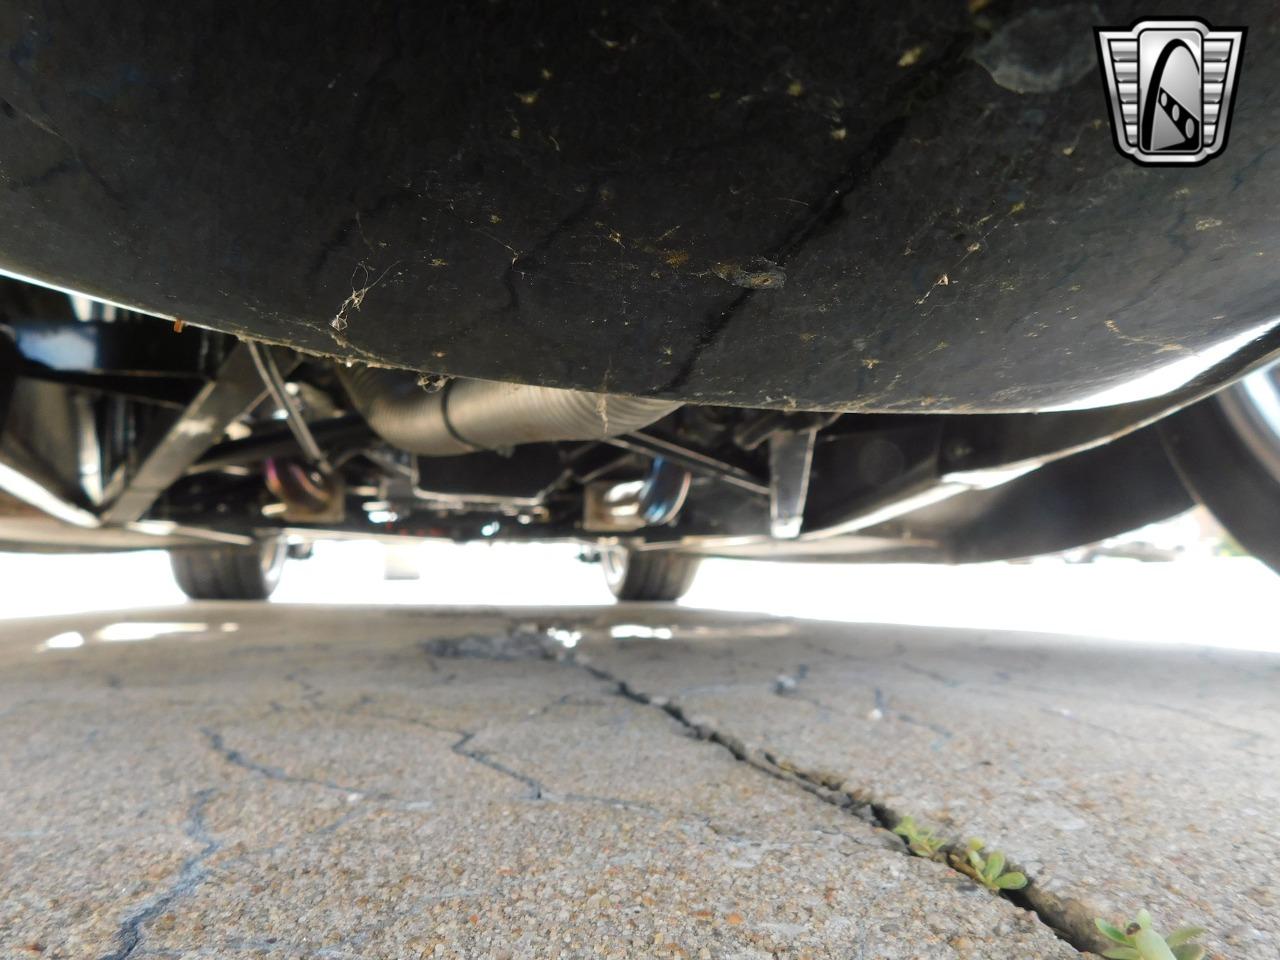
pixel 465 416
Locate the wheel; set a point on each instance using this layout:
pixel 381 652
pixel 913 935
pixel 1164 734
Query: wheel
pixel 1227 450
pixel 229 572
pixel 650 575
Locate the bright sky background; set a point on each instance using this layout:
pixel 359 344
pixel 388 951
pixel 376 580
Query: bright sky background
pixel 1200 600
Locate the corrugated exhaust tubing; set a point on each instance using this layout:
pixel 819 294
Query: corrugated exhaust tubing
pixel 470 415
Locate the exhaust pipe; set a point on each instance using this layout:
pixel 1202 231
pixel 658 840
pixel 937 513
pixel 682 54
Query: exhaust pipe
pixel 469 415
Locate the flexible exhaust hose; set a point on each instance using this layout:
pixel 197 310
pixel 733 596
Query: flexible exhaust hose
pixel 470 415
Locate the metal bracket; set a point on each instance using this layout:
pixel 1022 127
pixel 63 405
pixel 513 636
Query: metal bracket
pixel 790 460
pixel 399 482
pixel 237 389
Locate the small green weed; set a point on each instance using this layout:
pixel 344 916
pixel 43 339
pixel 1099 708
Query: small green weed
pixel 1138 941
pixel 920 841
pixel 988 870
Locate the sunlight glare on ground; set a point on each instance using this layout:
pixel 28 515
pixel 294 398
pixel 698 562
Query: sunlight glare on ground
pixel 1199 600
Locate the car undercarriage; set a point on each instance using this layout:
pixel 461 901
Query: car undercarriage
pixel 670 281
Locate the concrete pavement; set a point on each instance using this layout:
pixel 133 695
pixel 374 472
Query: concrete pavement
pixel 235 781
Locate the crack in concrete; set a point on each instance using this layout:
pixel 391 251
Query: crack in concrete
pixel 190 876
pixel 765 762
pixel 1065 919
pixel 311 694
pixel 1068 919
pixel 538 791
pixel 238 759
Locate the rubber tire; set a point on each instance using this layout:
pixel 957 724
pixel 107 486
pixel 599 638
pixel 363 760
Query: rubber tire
pixel 651 576
pixel 1219 469
pixel 228 572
